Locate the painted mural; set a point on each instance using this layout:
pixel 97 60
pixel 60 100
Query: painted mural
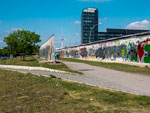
pixel 47 49
pixel 132 49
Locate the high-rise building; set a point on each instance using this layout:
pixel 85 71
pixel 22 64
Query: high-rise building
pixel 89 25
pixel 89 28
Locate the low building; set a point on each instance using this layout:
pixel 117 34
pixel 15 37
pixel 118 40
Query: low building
pixel 111 33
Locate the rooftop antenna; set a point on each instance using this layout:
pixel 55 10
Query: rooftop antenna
pixel 62 38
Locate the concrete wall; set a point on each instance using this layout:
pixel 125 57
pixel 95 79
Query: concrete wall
pixel 47 49
pixel 135 48
pixel 30 68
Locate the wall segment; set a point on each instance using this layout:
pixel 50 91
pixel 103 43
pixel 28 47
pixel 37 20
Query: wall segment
pixel 47 49
pixel 132 48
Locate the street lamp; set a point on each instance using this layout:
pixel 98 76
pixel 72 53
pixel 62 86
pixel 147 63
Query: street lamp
pixel 92 30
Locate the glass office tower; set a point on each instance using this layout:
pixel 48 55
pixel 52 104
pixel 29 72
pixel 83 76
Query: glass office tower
pixel 89 25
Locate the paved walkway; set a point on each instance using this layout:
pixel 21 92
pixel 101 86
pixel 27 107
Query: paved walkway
pixel 128 82
pixel 97 76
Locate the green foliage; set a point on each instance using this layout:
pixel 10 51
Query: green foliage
pixel 4 51
pixel 11 40
pixel 22 42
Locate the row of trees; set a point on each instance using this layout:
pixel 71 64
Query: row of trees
pixel 22 42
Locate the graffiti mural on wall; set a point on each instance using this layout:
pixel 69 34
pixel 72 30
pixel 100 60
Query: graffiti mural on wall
pixel 112 52
pixel 91 52
pixel 83 52
pixel 143 51
pixel 74 53
pixel 132 49
pixel 67 53
pixel 47 49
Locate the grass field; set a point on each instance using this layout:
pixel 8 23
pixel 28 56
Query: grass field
pixel 34 61
pixel 27 93
pixel 114 66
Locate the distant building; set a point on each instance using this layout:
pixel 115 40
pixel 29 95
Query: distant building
pixel 111 33
pixel 89 25
pixel 89 28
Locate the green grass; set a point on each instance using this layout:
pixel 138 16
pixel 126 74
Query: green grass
pixel 28 93
pixel 34 61
pixel 115 66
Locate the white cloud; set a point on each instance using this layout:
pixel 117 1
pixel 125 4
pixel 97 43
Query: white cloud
pixel 1 41
pixel 13 29
pixel 77 22
pixel 145 24
pixel 95 0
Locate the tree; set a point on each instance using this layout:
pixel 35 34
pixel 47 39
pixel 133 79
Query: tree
pixel 11 41
pixel 22 42
pixel 4 52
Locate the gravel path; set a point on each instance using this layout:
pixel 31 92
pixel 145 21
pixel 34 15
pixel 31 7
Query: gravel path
pixel 96 76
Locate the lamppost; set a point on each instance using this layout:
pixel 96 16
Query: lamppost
pixel 92 30
pixel 72 41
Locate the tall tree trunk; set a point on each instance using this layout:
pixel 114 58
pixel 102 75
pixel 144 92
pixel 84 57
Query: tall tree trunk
pixel 23 57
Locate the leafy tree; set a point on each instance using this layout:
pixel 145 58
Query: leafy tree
pixel 22 42
pixel 4 52
pixel 11 41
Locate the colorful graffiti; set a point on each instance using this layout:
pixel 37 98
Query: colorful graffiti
pixel 83 52
pixel 143 51
pixel 112 52
pixel 74 53
pixel 135 49
pixel 47 49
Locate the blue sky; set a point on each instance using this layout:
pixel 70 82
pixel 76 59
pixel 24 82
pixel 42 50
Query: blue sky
pixel 47 17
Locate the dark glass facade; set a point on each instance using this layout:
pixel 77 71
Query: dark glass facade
pixel 89 28
pixel 105 35
pixel 89 25
pixel 124 31
pixel 112 33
